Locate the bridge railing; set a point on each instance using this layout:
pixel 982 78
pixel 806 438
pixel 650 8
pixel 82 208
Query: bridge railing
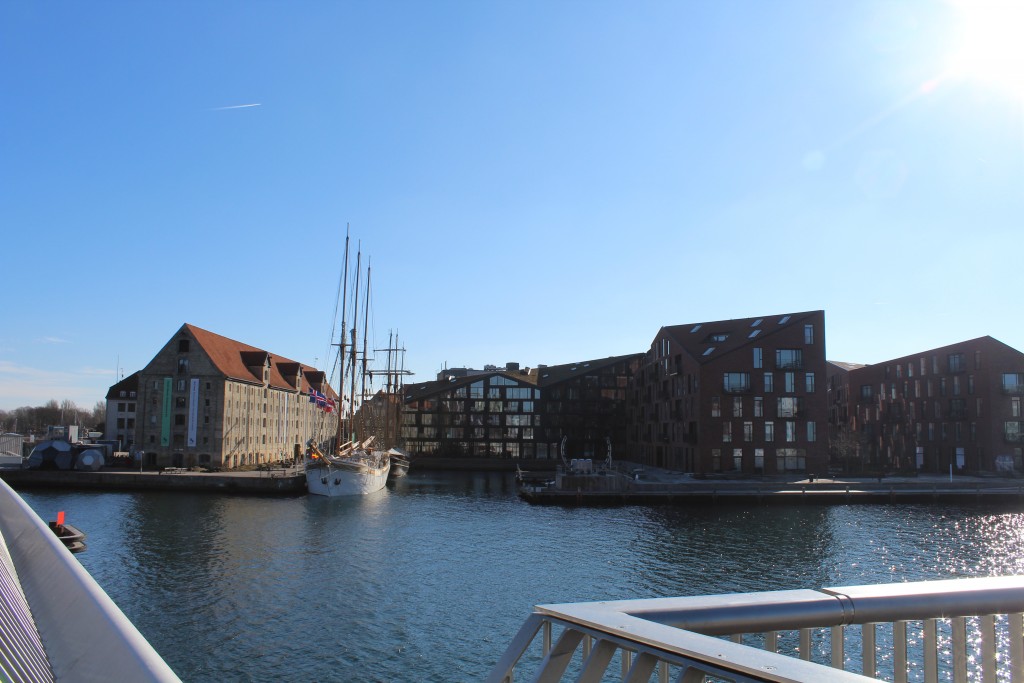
pixel 959 630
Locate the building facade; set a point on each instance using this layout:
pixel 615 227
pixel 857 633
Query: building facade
pixel 583 407
pixel 490 414
pixel 740 396
pixel 576 410
pixel 122 402
pixel 211 401
pixel 954 408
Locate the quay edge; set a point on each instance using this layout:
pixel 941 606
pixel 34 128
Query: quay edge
pixel 728 493
pixel 245 483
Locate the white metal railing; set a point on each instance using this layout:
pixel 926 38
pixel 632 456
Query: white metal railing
pixel 56 623
pixel 959 630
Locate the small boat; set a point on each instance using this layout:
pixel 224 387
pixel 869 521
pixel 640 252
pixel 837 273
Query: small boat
pixel 71 537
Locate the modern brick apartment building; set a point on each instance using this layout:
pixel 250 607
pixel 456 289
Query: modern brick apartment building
pixel 958 405
pixel 208 400
pixel 741 396
pixel 529 413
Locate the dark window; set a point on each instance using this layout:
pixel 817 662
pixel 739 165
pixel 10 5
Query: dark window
pixel 183 346
pixel 956 362
pixel 734 382
pixel 789 359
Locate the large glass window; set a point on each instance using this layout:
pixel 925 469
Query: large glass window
pixel 733 382
pixel 1011 430
pixel 790 431
pixel 476 390
pixel 790 459
pixel 789 359
pixel 789 406
pixel 1013 382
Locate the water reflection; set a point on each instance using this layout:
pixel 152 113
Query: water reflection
pixel 429 578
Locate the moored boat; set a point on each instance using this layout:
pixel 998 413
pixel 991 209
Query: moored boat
pixel 356 471
pixel 351 468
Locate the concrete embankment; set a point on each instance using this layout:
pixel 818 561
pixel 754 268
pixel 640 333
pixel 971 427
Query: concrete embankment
pixel 573 492
pixel 279 482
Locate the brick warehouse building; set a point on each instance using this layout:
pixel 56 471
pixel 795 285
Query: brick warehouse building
pixel 527 414
pixel 208 400
pixel 957 405
pixel 744 396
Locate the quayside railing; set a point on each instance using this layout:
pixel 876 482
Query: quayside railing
pixel 954 630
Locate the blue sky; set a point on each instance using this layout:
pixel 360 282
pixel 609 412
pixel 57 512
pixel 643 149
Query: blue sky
pixel 539 182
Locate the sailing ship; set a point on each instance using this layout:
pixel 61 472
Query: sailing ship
pixel 354 467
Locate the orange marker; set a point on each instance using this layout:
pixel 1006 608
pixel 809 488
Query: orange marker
pixel 60 518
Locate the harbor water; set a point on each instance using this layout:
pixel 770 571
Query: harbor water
pixel 429 579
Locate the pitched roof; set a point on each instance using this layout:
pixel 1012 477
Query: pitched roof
pixel 723 336
pixel 129 383
pixel 983 342
pixel 553 374
pixel 238 360
pixel 843 365
pixel 426 388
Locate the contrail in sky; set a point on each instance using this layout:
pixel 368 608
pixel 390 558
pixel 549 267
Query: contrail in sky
pixel 237 106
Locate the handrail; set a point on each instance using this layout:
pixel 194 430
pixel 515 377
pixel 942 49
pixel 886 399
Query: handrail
pixel 685 632
pixel 85 636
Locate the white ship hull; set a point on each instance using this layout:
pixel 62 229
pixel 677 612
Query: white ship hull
pixel 347 477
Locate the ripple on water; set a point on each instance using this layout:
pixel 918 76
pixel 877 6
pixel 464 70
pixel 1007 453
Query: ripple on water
pixel 430 579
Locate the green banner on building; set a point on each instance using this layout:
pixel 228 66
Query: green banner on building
pixel 165 414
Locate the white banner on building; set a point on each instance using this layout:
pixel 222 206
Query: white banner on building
pixel 193 412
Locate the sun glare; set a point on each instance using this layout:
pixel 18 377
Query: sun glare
pixel 991 43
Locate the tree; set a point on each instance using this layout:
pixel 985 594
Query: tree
pixel 98 418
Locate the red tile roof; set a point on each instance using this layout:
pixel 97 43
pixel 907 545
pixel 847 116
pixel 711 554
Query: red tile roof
pixel 237 360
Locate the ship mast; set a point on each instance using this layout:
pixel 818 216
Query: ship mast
pixel 366 325
pixel 352 365
pixel 341 347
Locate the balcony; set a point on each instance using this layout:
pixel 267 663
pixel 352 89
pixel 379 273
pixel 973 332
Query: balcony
pixel 965 629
